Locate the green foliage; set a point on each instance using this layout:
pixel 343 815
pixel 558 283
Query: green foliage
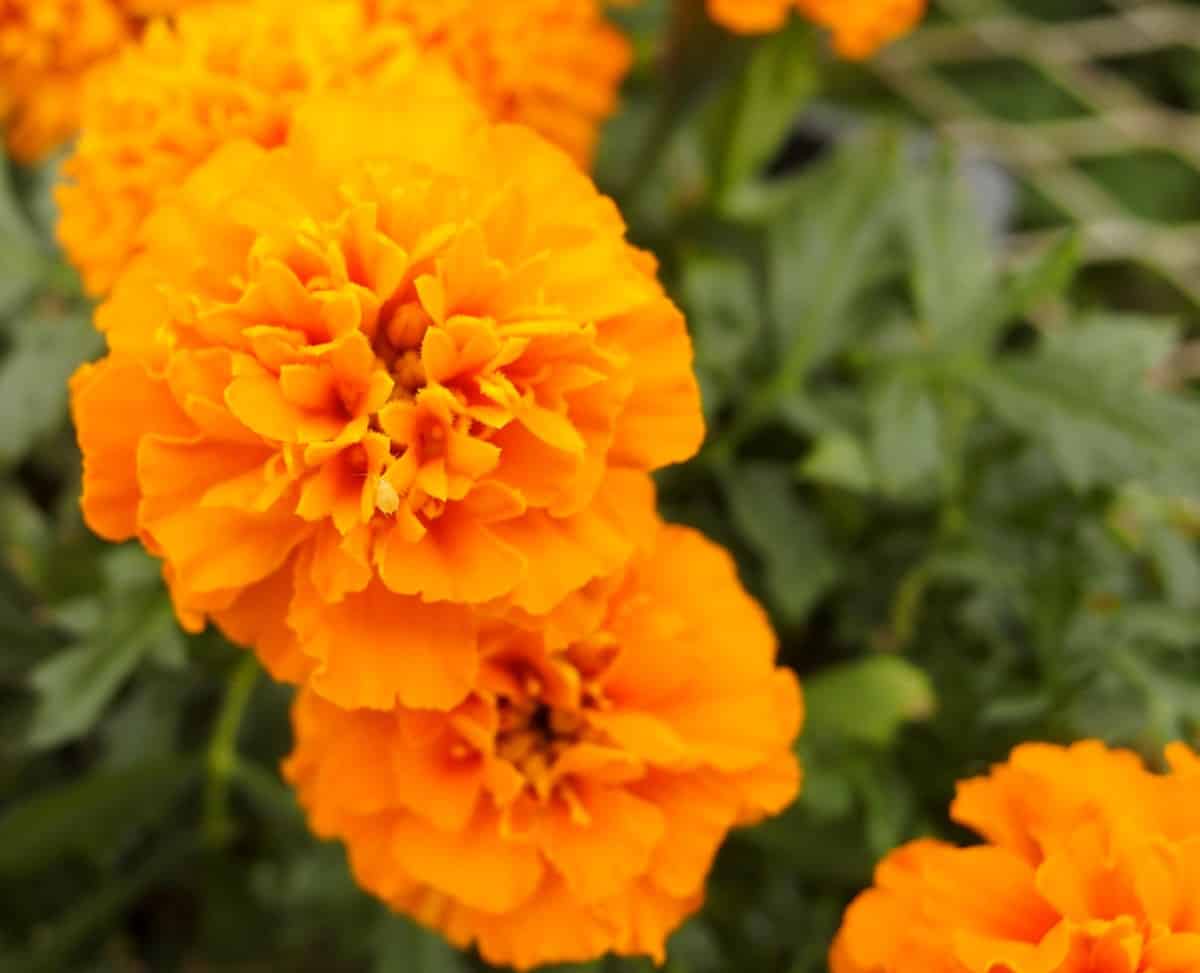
pixel 968 503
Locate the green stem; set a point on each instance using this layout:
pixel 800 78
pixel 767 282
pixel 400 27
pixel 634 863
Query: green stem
pixel 222 751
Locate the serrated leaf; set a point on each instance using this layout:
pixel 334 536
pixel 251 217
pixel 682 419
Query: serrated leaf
pixel 748 123
pixel 951 259
pixel 33 377
pixel 88 817
pixel 799 564
pixel 133 620
pixel 1046 277
pixel 824 251
pixel 1084 395
pixel 869 700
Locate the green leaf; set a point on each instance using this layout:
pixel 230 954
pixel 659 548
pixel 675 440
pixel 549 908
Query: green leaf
pixel 33 377
pixel 89 817
pixel 798 562
pixel 133 621
pixel 869 700
pixel 57 942
pixel 402 946
pixel 952 261
pixel 1046 277
pixel 904 441
pixel 720 296
pixel 1084 394
pixel 747 125
pixel 24 636
pixel 20 254
pixel 824 252
pixel 840 460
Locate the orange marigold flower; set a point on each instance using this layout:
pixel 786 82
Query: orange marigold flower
pixel 217 73
pixel 554 65
pixel 860 27
pixel 572 805
pixel 403 364
pixel 1092 866
pixel 48 48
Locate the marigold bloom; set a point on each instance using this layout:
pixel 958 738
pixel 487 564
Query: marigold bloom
pixel 1092 866
pixel 217 73
pixel 554 65
pixel 860 27
pixel 47 50
pixel 573 803
pixel 403 364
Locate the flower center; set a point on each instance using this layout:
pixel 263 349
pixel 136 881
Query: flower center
pixel 545 713
pixel 398 345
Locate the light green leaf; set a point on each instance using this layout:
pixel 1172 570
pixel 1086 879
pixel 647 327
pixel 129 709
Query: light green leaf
pixel 952 261
pixel 840 460
pixel 21 256
pixel 904 436
pixel 869 700
pixel 1046 277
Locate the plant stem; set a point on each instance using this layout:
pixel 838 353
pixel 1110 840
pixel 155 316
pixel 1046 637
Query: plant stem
pixel 222 751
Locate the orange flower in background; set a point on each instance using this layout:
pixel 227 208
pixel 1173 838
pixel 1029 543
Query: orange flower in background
pixel 860 27
pixel 554 65
pixel 364 387
pixel 47 50
pixel 572 805
pixel 1092 866
pixel 219 72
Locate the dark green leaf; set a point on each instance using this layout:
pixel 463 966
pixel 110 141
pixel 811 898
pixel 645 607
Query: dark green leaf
pixel 749 121
pixel 131 622
pixel 824 251
pixel 402 946
pixel 33 377
pixel 797 559
pixel 1085 395
pixel 88 817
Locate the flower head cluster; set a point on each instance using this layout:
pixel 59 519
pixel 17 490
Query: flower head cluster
pixel 574 801
pixel 403 366
pixel 553 65
pixel 47 47
pixel 384 389
pixel 1092 865
pixel 213 74
pixel 860 27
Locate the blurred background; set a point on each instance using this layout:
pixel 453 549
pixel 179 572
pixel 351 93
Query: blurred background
pixel 945 307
